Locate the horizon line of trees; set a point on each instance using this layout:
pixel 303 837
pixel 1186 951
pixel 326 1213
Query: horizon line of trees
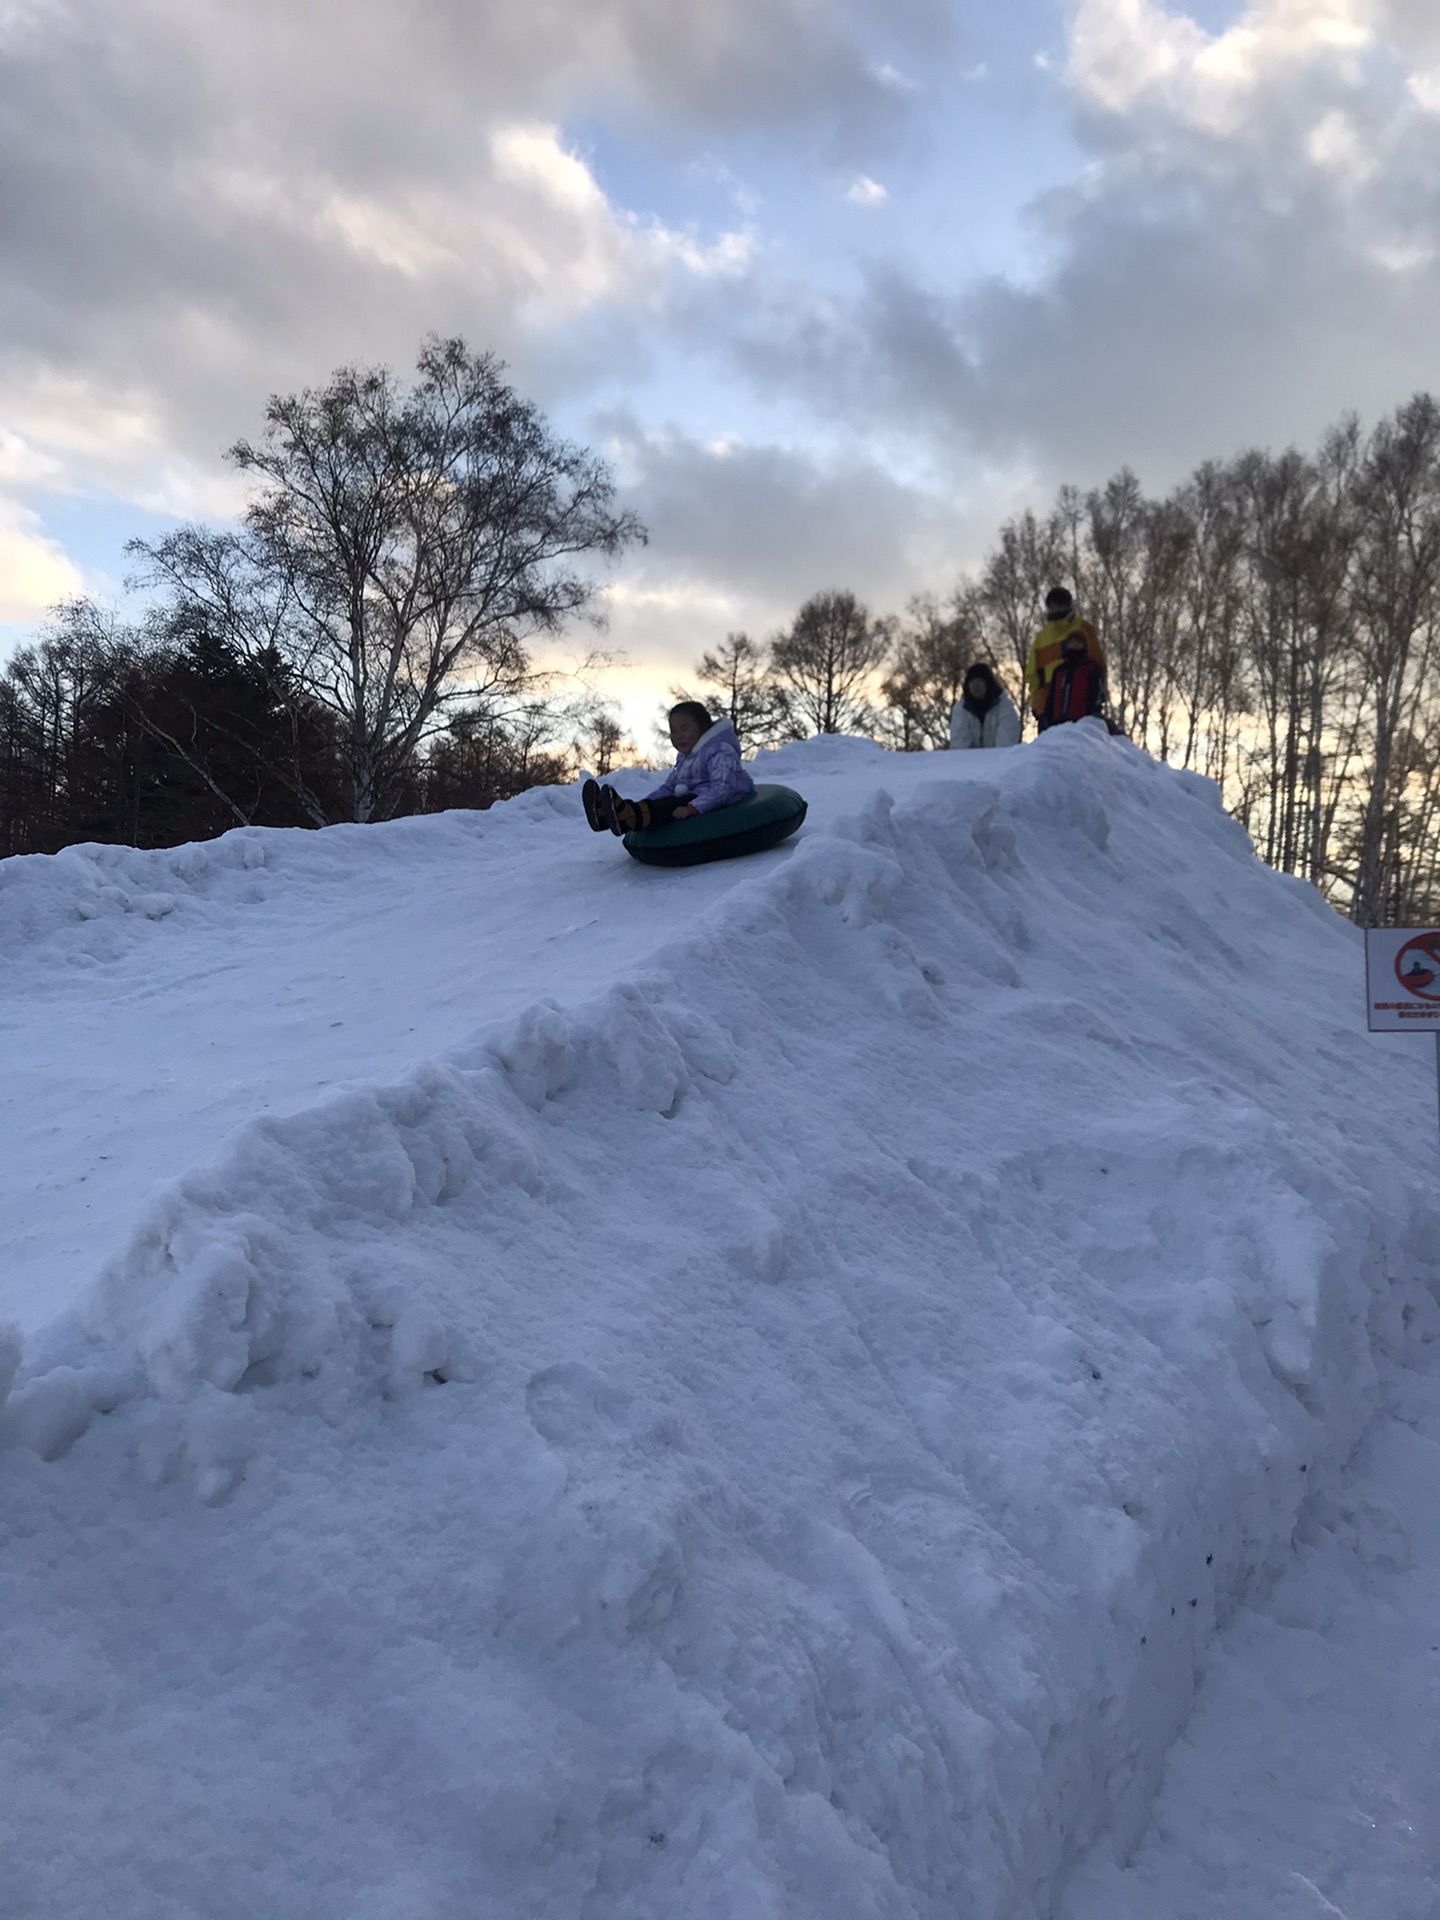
pixel 1273 622
pixel 358 647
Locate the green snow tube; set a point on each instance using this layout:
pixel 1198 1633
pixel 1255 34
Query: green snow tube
pixel 768 816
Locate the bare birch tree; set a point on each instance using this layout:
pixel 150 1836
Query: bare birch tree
pixel 404 545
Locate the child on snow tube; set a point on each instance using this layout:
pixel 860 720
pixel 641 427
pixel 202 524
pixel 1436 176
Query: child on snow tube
pixel 707 776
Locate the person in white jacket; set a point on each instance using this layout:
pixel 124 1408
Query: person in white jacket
pixel 985 716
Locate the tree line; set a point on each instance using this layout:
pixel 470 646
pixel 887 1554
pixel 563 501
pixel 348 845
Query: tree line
pixel 358 647
pixel 1273 622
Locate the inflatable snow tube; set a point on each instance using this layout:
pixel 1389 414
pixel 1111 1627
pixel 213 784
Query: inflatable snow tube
pixel 770 815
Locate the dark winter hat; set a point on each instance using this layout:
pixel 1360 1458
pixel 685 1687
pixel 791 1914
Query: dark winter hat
pixel 1058 602
pixel 982 670
pixel 693 710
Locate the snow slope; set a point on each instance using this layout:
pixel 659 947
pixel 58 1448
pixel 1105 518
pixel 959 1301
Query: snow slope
pixel 751 1392
pixel 153 1001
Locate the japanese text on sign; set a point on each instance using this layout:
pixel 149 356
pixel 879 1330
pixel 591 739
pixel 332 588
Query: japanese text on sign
pixel 1402 978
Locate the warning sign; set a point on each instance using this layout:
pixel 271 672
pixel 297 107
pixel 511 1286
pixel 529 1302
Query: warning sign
pixel 1402 978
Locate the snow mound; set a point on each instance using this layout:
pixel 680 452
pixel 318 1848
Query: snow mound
pixel 776 1437
pixel 89 900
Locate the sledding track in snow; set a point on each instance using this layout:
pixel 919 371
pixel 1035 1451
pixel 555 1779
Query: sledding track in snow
pixel 771 1431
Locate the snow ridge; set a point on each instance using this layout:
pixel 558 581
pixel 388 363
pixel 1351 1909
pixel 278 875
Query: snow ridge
pixel 113 890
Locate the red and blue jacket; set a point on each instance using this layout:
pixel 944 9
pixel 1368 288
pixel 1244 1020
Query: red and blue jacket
pixel 1075 690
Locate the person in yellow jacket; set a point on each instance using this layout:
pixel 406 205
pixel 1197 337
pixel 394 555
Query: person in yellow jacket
pixel 1061 620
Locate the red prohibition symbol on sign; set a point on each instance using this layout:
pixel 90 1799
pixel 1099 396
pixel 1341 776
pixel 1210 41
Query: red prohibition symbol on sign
pixel 1417 966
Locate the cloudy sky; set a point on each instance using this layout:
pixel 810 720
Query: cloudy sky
pixel 837 284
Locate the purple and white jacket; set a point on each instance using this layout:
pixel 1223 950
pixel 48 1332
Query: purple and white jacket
pixel 710 775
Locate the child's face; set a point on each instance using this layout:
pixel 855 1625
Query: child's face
pixel 685 730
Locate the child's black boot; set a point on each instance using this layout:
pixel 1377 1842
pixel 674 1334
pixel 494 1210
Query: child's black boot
pixel 592 798
pixel 624 816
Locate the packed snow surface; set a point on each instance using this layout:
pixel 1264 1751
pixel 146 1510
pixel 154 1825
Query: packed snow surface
pixel 544 1387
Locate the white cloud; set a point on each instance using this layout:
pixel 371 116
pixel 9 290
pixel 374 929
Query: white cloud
pixel 864 192
pixel 534 155
pixel 34 571
pixel 23 464
pixel 1407 258
pixel 1123 49
pixel 1127 52
pixel 1250 252
pixel 653 618
pixel 400 238
pixel 1246 253
pixel 1335 143
pixel 570 248
pixel 72 433
pixel 69 414
pixel 532 212
pixel 212 203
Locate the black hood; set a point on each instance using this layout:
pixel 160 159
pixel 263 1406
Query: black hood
pixel 981 707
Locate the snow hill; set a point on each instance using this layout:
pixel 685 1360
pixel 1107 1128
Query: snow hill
pixel 545 1387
